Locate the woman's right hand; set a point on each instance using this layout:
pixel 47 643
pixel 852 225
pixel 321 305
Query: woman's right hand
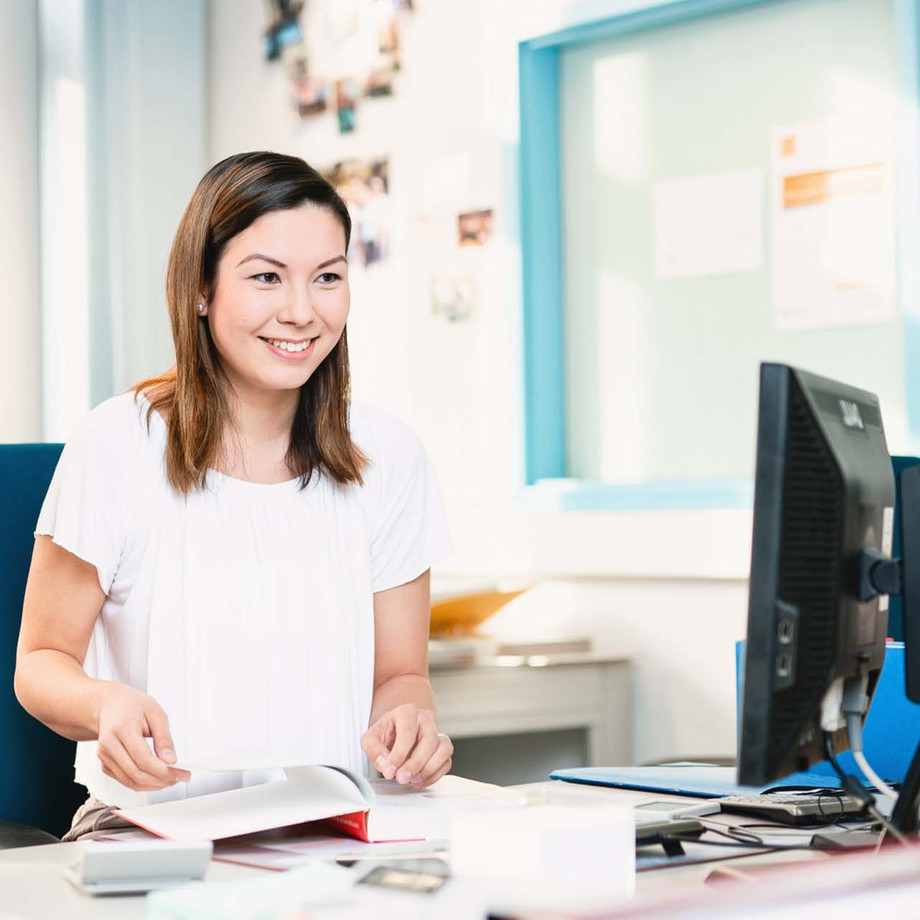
pixel 126 718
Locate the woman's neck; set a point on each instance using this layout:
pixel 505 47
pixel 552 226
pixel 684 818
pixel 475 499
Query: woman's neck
pixel 257 440
pixel 264 419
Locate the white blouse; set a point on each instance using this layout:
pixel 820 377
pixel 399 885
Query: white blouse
pixel 245 610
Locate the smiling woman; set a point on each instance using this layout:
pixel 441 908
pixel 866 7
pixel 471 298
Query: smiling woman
pixel 232 559
pixel 252 252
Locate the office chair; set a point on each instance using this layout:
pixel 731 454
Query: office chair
pixel 37 793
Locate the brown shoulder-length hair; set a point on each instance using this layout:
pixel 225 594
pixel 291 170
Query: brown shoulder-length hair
pixel 192 396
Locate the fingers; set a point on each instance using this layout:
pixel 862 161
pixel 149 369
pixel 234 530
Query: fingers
pixel 418 752
pixel 426 747
pixel 126 717
pixel 434 777
pixel 159 731
pixel 119 764
pixel 145 760
pixel 437 765
pixel 409 722
pixel 374 747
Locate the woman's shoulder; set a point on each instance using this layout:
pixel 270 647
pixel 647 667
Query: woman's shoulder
pixel 123 409
pixel 115 414
pixel 116 426
pixel 380 434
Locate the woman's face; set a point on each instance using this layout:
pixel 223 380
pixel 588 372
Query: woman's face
pixel 280 299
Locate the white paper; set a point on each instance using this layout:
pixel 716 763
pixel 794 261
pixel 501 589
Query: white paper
pixel 308 794
pixel 709 224
pixel 833 224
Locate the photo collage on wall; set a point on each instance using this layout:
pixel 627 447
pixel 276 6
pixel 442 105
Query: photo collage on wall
pixel 348 51
pixel 340 55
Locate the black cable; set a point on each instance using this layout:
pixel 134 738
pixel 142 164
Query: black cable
pixel 855 788
pixel 740 836
pixel 685 838
pixel 834 819
pixel 733 832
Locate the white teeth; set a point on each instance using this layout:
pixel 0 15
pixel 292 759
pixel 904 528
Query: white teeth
pixel 289 346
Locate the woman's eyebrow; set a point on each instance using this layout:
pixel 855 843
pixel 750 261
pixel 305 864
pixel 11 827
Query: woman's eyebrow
pixel 270 260
pixel 329 262
pixel 258 255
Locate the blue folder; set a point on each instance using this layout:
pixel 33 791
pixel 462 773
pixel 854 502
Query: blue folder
pixel 890 738
pixel 699 779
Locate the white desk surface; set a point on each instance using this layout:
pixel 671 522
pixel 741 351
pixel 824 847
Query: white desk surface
pixel 32 886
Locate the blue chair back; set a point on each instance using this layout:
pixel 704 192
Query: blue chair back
pixel 36 765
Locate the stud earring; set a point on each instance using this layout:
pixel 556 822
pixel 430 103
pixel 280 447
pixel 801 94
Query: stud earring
pixel 201 308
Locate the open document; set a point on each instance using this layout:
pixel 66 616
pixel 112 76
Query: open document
pixel 307 793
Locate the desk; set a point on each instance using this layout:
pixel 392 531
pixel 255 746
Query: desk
pixel 32 887
pixel 513 696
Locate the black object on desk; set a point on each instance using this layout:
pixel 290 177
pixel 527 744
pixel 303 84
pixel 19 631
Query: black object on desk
pixel 669 832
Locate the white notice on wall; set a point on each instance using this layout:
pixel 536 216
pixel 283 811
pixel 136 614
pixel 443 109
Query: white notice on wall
pixel 709 224
pixel 833 210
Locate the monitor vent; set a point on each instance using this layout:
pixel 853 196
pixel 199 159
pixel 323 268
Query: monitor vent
pixel 809 575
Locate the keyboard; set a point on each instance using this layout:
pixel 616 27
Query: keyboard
pixel 794 807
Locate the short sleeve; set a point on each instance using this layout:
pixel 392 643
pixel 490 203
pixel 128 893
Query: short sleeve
pixel 409 530
pixel 85 510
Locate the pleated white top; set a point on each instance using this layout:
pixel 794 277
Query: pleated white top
pixel 245 610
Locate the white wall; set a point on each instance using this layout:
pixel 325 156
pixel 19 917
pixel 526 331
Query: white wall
pixel 669 588
pixel 20 346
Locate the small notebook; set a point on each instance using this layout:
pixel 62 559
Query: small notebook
pixel 345 800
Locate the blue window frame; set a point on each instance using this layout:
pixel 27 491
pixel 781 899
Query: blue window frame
pixel 545 466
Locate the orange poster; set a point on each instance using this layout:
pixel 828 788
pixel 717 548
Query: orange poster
pixel 833 224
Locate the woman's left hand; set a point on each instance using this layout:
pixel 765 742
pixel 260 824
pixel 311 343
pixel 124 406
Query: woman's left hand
pixel 404 744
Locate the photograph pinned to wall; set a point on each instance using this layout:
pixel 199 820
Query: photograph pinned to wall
pixel 345 101
pixel 474 228
pixel 364 186
pixel 310 96
pixel 284 29
pixel 385 63
pixel 379 83
pixel 388 42
pixel 453 298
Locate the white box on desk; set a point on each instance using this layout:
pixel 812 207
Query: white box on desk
pixel 549 849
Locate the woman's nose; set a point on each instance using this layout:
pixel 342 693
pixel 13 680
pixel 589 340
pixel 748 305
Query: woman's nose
pixel 298 308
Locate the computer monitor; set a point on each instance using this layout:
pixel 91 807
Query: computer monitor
pixel 823 525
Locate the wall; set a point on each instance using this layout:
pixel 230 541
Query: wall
pixel 668 587
pixel 20 349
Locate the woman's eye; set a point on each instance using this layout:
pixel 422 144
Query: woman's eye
pixel 328 278
pixel 267 277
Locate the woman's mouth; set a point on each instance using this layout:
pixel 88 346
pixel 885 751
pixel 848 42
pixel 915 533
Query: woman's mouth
pixel 290 349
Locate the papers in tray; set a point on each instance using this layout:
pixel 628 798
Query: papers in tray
pixel 307 793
